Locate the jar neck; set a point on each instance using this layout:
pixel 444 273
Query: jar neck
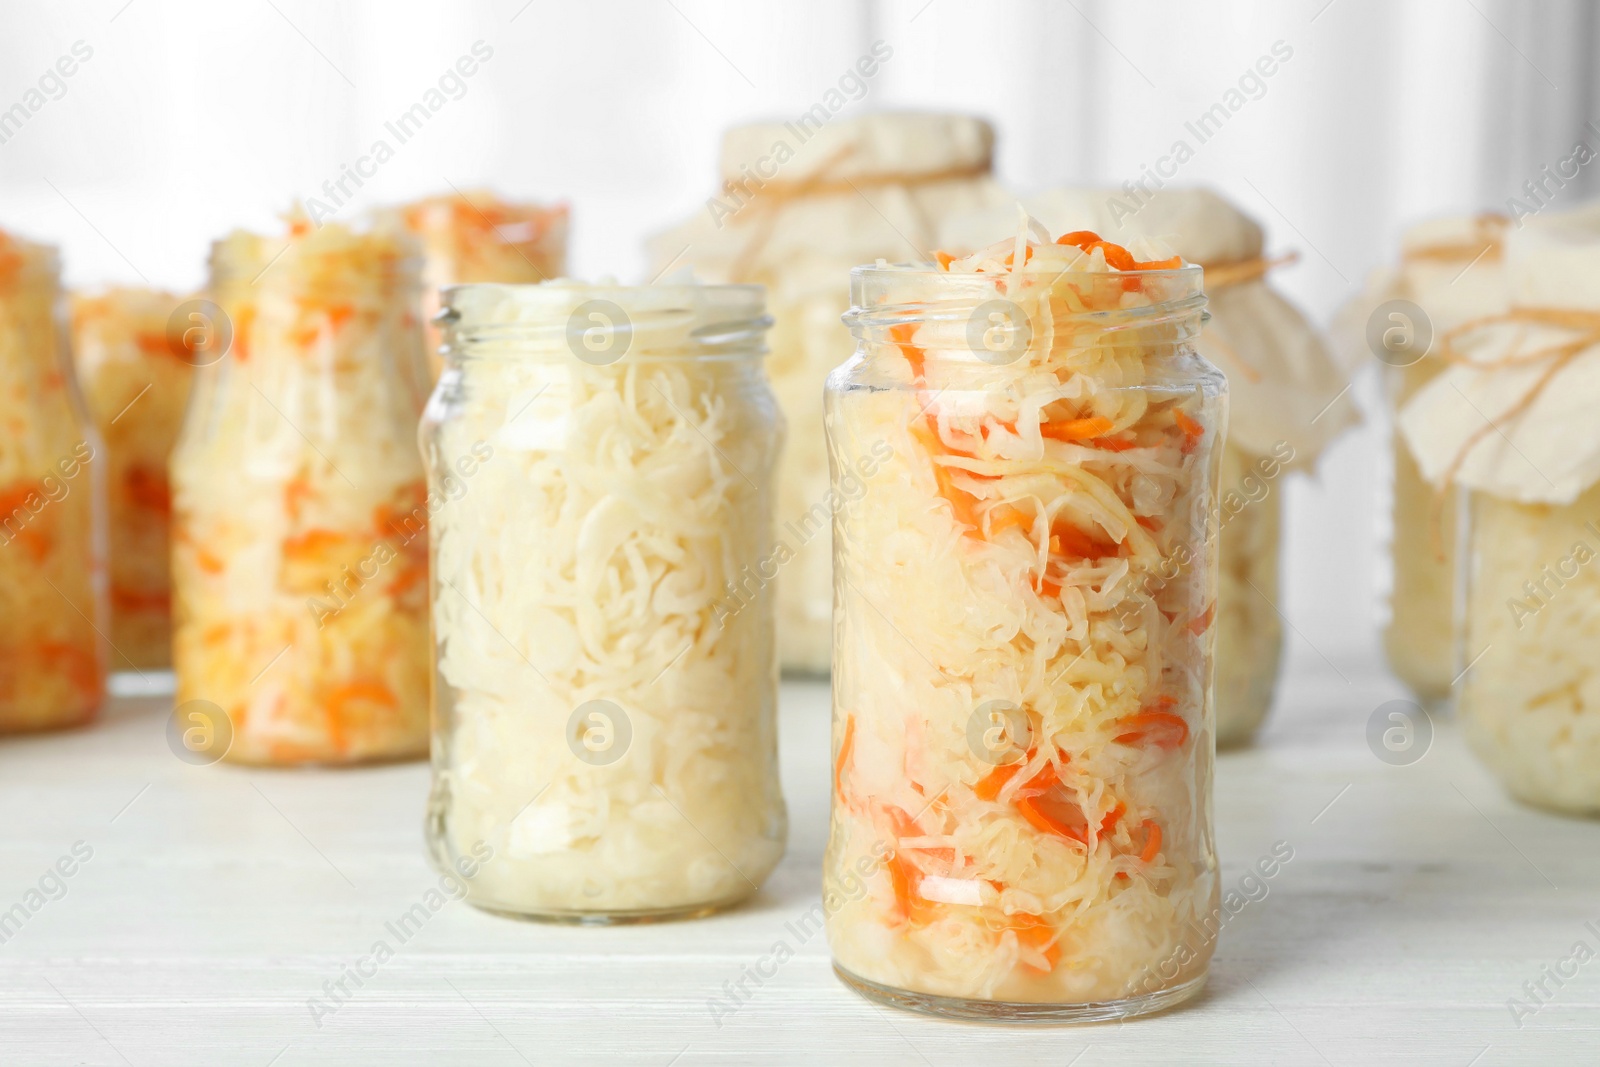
pixel 603 326
pixel 1024 319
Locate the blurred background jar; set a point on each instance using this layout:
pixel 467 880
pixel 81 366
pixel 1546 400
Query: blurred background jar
pixel 1288 400
pixel 134 363
pixel 603 555
pixel 1021 824
pixel 474 236
pixel 800 205
pixel 52 559
pixel 299 504
pixel 1510 423
pixel 1450 272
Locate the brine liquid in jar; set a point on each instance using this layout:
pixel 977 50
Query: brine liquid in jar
pixel 1026 578
pixel 605 677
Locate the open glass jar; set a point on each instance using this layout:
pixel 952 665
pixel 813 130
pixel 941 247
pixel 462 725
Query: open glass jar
pixel 299 506
pixel 1026 470
pixel 605 679
pixel 52 563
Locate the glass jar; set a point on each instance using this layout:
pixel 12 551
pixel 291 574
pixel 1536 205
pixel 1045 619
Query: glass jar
pixel 605 681
pixel 1528 698
pixel 1249 630
pixel 52 563
pixel 299 505
pixel 477 237
pixel 1027 470
pixel 135 377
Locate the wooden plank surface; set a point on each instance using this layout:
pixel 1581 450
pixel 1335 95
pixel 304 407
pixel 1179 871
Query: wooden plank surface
pixel 218 901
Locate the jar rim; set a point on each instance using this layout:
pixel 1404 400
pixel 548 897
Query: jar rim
pixel 558 318
pixel 1179 296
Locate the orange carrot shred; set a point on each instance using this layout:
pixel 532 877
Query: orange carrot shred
pixel 1160 728
pixel 901 333
pixel 1083 239
pixel 1038 934
pixel 989 785
pixel 1192 430
pixel 1152 846
pixel 844 754
pixel 1076 429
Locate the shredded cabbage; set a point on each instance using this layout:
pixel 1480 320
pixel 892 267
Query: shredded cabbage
pixel 136 385
pixel 1034 546
pixel 583 604
pixel 1529 701
pixel 52 664
pixel 300 562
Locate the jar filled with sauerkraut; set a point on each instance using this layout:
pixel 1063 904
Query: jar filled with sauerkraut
pixel 1450 272
pixel 299 504
pixel 52 566
pixel 135 362
pixel 1509 423
pixel 798 208
pixel 605 680
pixel 1288 400
pixel 1025 454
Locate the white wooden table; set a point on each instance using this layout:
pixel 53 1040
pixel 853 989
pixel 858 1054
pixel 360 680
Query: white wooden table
pixel 217 901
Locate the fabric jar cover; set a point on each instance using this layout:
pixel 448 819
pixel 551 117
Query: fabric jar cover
pixel 1501 418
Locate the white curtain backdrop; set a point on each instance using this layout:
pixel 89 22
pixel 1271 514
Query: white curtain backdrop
pixel 192 117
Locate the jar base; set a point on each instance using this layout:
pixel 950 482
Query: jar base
pixel 1003 1011
pixel 611 918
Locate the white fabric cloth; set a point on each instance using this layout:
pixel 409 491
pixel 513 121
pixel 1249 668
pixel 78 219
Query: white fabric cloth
pixel 1550 451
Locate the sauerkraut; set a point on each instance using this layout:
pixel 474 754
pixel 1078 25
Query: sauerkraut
pixel 855 190
pixel 477 237
pixel 52 659
pixel 300 561
pixel 1529 703
pixel 1036 553
pixel 603 617
pixel 136 381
